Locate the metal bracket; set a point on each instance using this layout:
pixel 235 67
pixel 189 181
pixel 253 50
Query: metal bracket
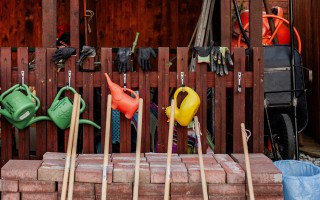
pixel 239 81
pixel 182 80
pixel 69 79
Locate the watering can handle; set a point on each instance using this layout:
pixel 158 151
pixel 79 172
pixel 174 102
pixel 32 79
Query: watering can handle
pixel 8 91
pixel 135 94
pixel 175 96
pixel 83 104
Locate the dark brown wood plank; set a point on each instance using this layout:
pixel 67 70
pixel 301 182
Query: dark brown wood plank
pixel 74 25
pixel 41 86
pixel 87 95
pixel 238 99
pixel 146 108
pixel 203 107
pixel 258 101
pixel 163 97
pixel 52 135
pixel 255 20
pixel 24 135
pixel 6 128
pixel 225 9
pixel 146 115
pixel 49 23
pixel 182 66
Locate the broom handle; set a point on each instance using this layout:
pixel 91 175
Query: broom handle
pixel 74 151
pixel 138 150
pixel 69 148
pixel 106 150
pixel 246 157
pixel 169 151
pixel 203 176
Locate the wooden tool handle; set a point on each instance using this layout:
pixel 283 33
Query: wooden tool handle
pixel 106 150
pixel 169 152
pixel 69 148
pixel 138 150
pixel 202 173
pixel 246 157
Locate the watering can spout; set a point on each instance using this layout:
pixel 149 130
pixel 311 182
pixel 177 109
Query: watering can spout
pixel 36 119
pixel 85 121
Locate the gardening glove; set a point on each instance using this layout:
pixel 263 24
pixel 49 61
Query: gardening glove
pixel 144 58
pixel 220 54
pixel 123 59
pixel 203 54
pixel 87 51
pixel 62 54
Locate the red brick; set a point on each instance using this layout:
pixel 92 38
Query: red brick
pixel 151 154
pixel 266 189
pixel 8 186
pixel 118 197
pixel 10 195
pixel 37 186
pixel 226 198
pixel 92 173
pixel 115 189
pixel 186 189
pixel 80 189
pixel 214 173
pixel 51 173
pixel 150 197
pixel 127 159
pixel 222 158
pixel 231 190
pixel 124 173
pixel 268 197
pixel 21 169
pixel 178 172
pixel 235 173
pixel 255 158
pixel 54 162
pixel 39 196
pixel 54 155
pixel 194 158
pixel 91 156
pixel 162 159
pixel 264 173
pixel 151 189
pixel 187 197
pixel 126 155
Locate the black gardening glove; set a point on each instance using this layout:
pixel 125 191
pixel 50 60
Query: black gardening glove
pixel 203 54
pixel 62 54
pixel 87 51
pixel 219 56
pixel 144 58
pixel 123 59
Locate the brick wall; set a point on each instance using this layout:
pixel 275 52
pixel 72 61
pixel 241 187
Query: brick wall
pixel 225 176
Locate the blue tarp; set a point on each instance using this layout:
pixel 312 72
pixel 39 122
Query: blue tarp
pixel 301 180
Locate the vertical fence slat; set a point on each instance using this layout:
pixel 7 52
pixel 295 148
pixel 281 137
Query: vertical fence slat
pixel 163 97
pixel 106 60
pixel 238 99
pixel 24 135
pixel 6 83
pixel 146 116
pixel 182 66
pixel 258 100
pixel 52 135
pixel 87 95
pixel 41 80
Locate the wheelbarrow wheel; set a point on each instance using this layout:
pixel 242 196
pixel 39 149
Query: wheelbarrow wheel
pixel 283 136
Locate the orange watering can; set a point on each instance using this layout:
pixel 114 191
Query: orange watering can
pixel 188 107
pixel 121 100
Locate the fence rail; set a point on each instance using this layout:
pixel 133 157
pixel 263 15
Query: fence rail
pixel 231 107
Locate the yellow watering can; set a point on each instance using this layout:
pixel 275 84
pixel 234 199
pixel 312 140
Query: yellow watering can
pixel 188 107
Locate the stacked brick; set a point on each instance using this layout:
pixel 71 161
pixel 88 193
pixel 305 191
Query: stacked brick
pixel 225 176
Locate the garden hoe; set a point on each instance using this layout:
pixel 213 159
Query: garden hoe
pixel 169 152
pixel 106 150
pixel 138 150
pixel 202 173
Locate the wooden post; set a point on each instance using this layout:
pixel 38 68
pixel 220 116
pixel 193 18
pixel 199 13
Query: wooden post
pixel 49 23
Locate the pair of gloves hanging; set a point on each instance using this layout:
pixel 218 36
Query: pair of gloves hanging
pixel 123 58
pixel 216 57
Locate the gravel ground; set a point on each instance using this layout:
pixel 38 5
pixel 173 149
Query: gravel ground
pixel 307 158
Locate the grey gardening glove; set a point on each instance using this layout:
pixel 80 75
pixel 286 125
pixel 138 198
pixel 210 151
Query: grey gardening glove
pixel 144 58
pixel 219 57
pixel 62 54
pixel 86 51
pixel 123 59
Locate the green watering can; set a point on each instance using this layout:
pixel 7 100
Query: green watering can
pixel 19 106
pixel 60 111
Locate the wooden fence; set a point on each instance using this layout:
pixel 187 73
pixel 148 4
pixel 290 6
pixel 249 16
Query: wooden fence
pixel 231 106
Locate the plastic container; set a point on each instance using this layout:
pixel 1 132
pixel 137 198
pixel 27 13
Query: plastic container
pixel 301 180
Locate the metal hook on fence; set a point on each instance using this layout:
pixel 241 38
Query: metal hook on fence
pixel 22 77
pixel 69 79
pixel 125 81
pixel 182 80
pixel 90 14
